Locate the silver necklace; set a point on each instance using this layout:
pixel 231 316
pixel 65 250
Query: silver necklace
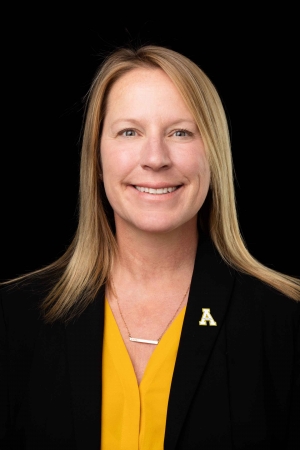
pixel 146 341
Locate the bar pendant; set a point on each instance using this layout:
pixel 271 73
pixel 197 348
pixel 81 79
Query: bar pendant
pixel 143 341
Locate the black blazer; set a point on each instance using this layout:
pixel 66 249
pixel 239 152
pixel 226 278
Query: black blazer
pixel 236 385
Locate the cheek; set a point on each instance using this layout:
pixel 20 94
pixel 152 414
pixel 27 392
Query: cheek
pixel 205 172
pixel 199 168
pixel 110 166
pixel 195 160
pixel 105 157
pixel 115 168
pixel 203 180
pixel 116 162
pixel 108 174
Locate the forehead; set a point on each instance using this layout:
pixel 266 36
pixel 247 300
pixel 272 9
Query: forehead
pixel 141 75
pixel 148 89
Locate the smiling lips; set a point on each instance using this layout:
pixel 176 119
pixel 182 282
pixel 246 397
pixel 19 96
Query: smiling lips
pixel 156 191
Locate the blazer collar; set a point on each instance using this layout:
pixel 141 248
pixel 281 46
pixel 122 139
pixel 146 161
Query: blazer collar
pixel 211 287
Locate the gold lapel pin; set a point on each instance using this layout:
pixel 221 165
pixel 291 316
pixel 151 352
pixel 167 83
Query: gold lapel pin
pixel 207 317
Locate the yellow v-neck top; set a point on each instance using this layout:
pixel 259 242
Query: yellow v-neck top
pixel 134 416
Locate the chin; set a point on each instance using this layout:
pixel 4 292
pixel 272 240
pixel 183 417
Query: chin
pixel 161 227
pixel 155 223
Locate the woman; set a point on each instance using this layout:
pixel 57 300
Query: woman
pixel 157 328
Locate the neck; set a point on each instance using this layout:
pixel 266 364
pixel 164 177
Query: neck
pixel 150 256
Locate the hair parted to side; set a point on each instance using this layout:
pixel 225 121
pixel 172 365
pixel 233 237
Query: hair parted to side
pixel 87 263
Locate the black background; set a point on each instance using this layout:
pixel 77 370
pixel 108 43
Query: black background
pixel 48 62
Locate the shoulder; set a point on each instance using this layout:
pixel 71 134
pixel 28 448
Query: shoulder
pixel 257 305
pixel 262 294
pixel 20 313
pixel 249 295
pixel 22 297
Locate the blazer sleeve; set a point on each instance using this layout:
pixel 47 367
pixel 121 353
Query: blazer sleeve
pixel 294 427
pixel 19 324
pixel 4 408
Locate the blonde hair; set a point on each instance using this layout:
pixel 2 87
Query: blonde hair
pixel 86 265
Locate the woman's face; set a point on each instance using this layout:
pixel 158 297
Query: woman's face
pixel 155 170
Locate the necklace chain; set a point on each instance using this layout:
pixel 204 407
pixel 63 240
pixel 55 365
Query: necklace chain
pixel 146 341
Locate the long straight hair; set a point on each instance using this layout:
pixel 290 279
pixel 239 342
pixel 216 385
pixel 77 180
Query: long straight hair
pixel 86 265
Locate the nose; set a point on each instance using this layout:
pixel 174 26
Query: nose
pixel 155 154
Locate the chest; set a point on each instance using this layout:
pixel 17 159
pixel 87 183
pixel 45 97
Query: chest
pixel 148 326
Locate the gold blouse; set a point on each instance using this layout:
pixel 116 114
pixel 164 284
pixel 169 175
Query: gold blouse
pixel 134 416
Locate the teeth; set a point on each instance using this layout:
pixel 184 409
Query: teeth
pixel 156 191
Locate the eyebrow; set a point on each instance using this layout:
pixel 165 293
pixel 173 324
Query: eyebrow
pixel 136 121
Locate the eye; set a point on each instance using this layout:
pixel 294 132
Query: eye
pixel 182 133
pixel 128 132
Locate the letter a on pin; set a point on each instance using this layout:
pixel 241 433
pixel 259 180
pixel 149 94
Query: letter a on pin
pixel 207 317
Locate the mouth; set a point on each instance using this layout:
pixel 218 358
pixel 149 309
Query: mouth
pixel 159 191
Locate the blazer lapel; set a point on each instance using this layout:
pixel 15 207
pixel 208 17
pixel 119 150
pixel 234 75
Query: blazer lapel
pixel 84 353
pixel 211 288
